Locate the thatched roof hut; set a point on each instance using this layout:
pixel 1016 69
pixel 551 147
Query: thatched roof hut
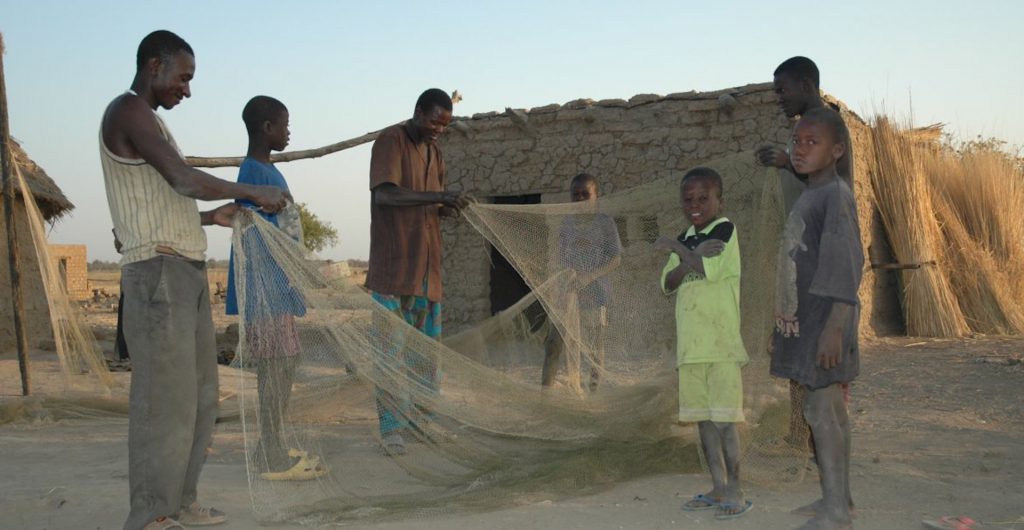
pixel 50 199
pixel 52 205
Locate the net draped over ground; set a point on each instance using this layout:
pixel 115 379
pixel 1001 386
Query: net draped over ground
pixel 488 434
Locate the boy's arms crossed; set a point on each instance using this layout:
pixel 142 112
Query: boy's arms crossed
pixel 684 260
pixel 715 258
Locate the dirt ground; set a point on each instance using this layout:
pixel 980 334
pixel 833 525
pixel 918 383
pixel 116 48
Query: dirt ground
pixel 938 429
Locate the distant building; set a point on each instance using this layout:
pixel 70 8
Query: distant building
pixel 73 265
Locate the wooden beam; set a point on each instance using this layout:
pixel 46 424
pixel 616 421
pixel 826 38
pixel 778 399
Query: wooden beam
pixel 13 254
pixel 228 161
pixel 235 161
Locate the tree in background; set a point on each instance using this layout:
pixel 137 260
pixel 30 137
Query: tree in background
pixel 317 234
pixel 1012 154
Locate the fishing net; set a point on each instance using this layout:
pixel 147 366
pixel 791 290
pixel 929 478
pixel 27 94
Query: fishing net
pixel 324 360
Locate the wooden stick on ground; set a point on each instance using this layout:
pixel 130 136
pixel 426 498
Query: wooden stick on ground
pixel 13 254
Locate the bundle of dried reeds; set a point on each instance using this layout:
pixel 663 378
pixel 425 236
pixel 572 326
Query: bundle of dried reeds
pixel 930 305
pixel 979 199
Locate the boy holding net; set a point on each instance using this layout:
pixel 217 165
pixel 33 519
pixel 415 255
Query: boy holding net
pixel 815 340
pixel 589 247
pixel 271 337
pixel 703 271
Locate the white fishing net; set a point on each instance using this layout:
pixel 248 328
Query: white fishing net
pixel 72 381
pixel 320 351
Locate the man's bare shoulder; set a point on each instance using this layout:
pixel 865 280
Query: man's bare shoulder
pixel 124 117
pixel 124 109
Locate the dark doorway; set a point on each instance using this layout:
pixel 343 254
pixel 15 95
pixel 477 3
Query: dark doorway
pixel 507 286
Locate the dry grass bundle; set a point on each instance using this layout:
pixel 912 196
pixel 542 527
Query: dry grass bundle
pixel 979 199
pixel 927 136
pixel 902 193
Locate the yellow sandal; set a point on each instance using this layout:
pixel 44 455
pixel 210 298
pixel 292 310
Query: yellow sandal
pixel 307 468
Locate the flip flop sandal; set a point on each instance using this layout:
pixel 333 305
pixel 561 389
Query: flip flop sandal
pixel 196 515
pixel 744 508
pixel 700 503
pixel 307 468
pixel 948 522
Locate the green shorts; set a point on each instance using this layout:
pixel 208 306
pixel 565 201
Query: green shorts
pixel 711 391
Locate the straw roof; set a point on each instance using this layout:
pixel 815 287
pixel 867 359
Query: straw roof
pixel 50 199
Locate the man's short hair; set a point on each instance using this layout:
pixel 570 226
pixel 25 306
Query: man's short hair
pixel 831 120
pixel 799 68
pixel 583 179
pixel 433 98
pixel 261 109
pixel 706 175
pixel 161 44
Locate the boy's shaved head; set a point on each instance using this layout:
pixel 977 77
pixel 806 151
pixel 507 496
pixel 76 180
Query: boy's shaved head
pixel 161 44
pixel 259 110
pixel 708 176
pixel 800 68
pixel 831 120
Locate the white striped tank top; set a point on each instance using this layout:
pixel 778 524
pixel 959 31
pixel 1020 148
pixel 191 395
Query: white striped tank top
pixel 146 210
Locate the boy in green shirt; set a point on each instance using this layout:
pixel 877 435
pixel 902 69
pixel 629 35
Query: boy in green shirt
pixel 703 271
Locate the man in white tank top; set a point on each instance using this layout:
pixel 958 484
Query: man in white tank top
pixel 168 325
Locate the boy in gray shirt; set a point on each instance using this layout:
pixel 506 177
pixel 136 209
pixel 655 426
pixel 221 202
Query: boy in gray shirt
pixel 815 340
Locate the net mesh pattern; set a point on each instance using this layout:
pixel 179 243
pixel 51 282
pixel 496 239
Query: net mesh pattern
pixel 323 362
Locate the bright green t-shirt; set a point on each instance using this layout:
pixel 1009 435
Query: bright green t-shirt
pixel 708 306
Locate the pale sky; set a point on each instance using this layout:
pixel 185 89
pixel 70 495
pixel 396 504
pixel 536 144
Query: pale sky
pixel 344 68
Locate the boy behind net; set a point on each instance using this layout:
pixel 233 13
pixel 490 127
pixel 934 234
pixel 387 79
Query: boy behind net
pixel 589 246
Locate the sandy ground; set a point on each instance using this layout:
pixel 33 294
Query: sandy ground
pixel 938 429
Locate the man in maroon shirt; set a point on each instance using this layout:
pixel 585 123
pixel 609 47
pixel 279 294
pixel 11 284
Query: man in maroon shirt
pixel 407 199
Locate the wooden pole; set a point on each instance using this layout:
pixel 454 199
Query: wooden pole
pixel 13 254
pixel 201 161
pixel 228 161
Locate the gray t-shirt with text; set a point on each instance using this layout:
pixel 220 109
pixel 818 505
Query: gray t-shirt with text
pixel 820 261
